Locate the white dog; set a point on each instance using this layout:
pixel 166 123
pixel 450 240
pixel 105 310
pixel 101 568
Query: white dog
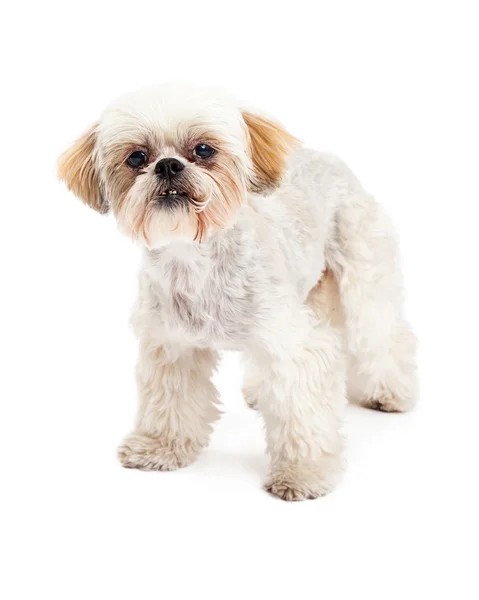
pixel 253 244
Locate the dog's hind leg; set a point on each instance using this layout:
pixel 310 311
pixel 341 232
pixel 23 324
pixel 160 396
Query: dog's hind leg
pixel 252 386
pixel 380 344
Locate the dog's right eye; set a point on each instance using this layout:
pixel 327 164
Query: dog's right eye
pixel 137 159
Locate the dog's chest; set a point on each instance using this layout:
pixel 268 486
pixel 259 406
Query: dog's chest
pixel 202 301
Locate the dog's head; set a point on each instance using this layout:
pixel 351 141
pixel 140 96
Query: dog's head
pixel 175 162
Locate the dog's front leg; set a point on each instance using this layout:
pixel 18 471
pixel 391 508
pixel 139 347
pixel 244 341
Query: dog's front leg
pixel 177 409
pixel 302 399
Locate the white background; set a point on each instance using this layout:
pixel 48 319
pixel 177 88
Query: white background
pixel 390 87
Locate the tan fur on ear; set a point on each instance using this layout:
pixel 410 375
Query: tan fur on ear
pixel 77 169
pixel 270 146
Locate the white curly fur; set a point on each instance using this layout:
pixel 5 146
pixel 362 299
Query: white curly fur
pixel 253 287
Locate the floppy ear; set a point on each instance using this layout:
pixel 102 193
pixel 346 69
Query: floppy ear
pixel 270 145
pixel 76 167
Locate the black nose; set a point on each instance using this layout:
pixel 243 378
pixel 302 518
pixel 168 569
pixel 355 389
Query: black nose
pixel 167 168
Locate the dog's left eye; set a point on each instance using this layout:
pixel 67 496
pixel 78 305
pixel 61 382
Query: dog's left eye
pixel 203 151
pixel 137 159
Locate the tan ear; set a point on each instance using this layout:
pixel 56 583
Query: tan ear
pixel 76 167
pixel 270 145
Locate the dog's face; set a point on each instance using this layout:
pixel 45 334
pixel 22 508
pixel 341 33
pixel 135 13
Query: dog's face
pixel 175 162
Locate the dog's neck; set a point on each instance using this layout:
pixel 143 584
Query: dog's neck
pixel 187 266
pixel 219 246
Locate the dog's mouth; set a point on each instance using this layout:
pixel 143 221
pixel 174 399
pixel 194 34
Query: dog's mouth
pixel 171 193
pixel 173 199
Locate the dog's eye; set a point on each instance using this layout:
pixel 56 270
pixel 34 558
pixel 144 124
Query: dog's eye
pixel 203 151
pixel 137 159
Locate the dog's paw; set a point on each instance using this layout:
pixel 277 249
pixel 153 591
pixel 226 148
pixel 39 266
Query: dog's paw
pixel 304 482
pixel 388 402
pixel 154 454
pixel 291 491
pixel 386 405
pixel 251 398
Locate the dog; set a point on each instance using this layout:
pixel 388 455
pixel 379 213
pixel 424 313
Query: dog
pixel 252 243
